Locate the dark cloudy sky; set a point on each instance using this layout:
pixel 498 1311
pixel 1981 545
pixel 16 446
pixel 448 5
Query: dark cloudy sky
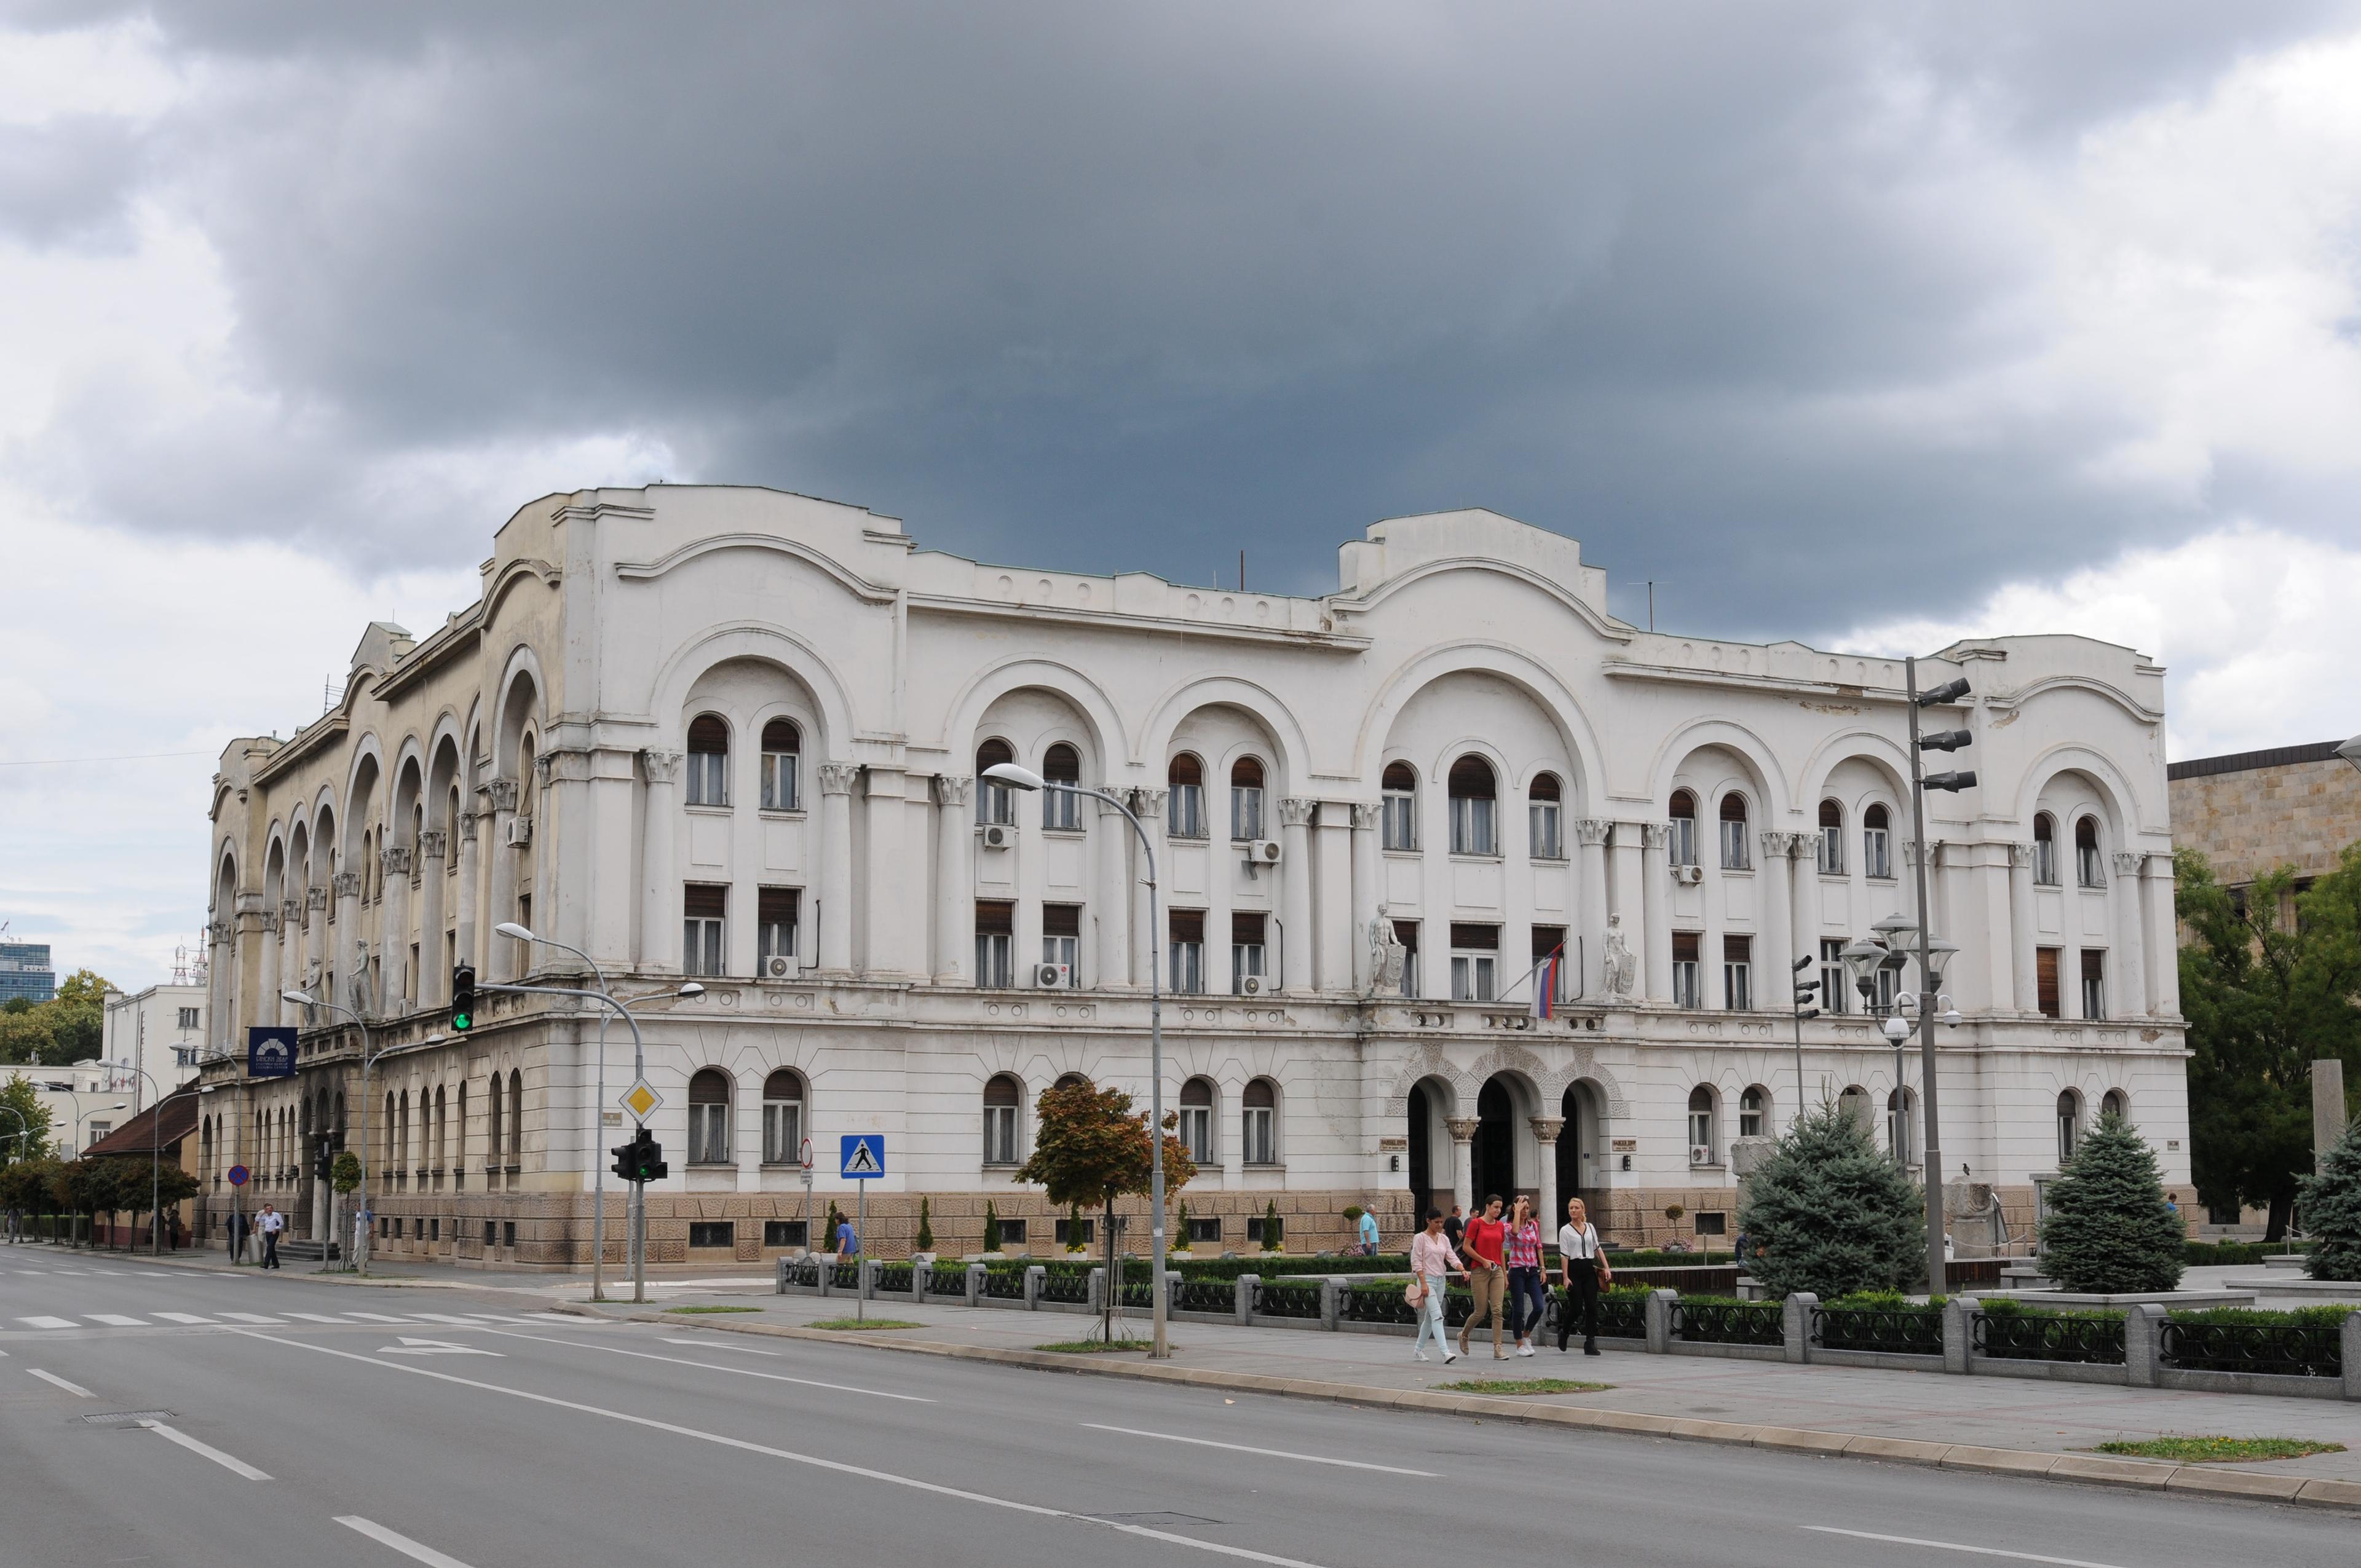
pixel 1855 322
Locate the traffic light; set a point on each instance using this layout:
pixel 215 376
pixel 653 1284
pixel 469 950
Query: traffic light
pixel 323 1162
pixel 463 998
pixel 623 1165
pixel 642 1160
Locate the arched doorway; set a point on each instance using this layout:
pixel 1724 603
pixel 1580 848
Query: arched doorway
pixel 1581 1152
pixel 1494 1154
pixel 1422 1150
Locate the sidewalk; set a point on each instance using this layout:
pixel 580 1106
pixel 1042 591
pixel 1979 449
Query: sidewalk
pixel 2025 1427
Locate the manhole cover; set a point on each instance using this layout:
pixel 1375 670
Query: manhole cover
pixel 127 1418
pixel 1157 1520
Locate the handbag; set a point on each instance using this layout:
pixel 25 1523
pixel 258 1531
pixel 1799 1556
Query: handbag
pixel 1414 1293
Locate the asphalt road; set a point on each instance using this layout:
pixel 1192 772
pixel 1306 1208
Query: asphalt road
pixel 511 1438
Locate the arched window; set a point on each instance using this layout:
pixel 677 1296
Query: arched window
pixel 1475 829
pixel 1899 1116
pixel 2114 1105
pixel 2044 848
pixel 1259 1128
pixel 1854 1102
pixel 459 1129
pixel 1681 847
pixel 1184 809
pixel 1062 765
pixel 1002 1098
pixel 1246 800
pixel 1544 812
pixel 2086 853
pixel 1703 1142
pixel 1197 1120
pixel 1832 861
pixel 709 1117
pixel 2069 1126
pixel 1400 824
pixel 783 1117
pixel 1755 1113
pixel 492 1145
pixel 1876 843
pixel 1734 856
pixel 389 1157
pixel 516 1118
pixel 708 761
pixel 1068 1079
pixel 442 1128
pixel 994 802
pixel 783 746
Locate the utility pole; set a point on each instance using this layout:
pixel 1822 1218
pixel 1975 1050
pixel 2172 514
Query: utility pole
pixel 1937 1273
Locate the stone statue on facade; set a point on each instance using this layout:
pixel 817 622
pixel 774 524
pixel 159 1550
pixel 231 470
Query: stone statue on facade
pixel 1387 958
pixel 1623 967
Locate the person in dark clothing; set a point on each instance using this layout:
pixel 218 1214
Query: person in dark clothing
pixel 1455 1225
pixel 1584 1269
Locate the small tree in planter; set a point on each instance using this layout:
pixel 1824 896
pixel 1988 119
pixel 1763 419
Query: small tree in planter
pixel 2109 1229
pixel 1180 1233
pixel 2330 1209
pixel 1074 1229
pixel 991 1228
pixel 835 1218
pixel 1273 1228
pixel 926 1227
pixel 1090 1146
pixel 1827 1213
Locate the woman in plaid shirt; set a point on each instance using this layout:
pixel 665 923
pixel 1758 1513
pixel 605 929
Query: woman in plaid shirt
pixel 1522 1247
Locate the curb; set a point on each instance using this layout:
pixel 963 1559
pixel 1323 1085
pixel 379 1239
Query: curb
pixel 2094 1469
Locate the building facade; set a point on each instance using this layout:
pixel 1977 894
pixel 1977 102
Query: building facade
pixel 2253 812
pixel 25 970
pixel 159 1032
pixel 737 736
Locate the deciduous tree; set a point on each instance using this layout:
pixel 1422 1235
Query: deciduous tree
pixel 1089 1149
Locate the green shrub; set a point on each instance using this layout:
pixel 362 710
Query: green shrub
pixel 926 1226
pixel 2330 1206
pixel 1828 1213
pixel 2110 1228
pixel 1272 1236
pixel 2263 1317
pixel 991 1227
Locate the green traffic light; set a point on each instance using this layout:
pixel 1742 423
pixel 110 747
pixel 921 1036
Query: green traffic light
pixel 462 1022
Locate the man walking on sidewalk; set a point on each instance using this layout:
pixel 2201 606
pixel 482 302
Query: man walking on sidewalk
pixel 270 1221
pixel 1488 1275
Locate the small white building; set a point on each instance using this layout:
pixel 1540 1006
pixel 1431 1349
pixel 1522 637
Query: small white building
pixel 738 735
pixel 159 1032
pixel 85 1102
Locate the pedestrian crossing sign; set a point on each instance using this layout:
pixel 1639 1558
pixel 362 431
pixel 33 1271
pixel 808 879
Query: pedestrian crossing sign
pixel 863 1156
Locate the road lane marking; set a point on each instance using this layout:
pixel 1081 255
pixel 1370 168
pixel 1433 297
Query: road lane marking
pixel 398 1541
pixel 254 1317
pixel 447 1318
pixel 812 1461
pixel 117 1319
pixel 226 1461
pixel 512 1318
pixel 50 1322
pixel 317 1318
pixel 431 1347
pixel 717 1366
pixel 1956 1546
pixel 183 1318
pixel 74 1388
pixel 1266 1453
pixel 740 1349
pixel 377 1317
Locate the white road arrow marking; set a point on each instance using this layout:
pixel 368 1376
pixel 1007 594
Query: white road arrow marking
pixel 431 1347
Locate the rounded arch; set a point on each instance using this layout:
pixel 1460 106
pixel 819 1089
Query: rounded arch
pixel 1585 754
pixel 1756 765
pixel 1889 761
pixel 963 717
pixel 2126 812
pixel 761 643
pixel 1291 760
pixel 524 695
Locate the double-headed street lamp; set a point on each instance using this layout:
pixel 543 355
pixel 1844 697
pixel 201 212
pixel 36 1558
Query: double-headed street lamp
pixel 1025 779
pixel 360 1213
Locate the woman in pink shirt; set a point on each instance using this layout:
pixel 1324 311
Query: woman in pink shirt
pixel 1523 1248
pixel 1433 1260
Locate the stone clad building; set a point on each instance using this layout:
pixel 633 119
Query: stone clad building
pixel 737 735
pixel 2252 812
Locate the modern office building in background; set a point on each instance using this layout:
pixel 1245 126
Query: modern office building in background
pixel 26 971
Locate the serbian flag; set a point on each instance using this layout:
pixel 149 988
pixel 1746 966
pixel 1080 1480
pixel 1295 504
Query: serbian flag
pixel 1544 1002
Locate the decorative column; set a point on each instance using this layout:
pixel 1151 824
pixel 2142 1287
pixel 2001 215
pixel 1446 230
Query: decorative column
pixel 2022 928
pixel 2162 926
pixel 2128 991
pixel 1332 897
pixel 1590 834
pixel 393 932
pixel 500 952
pixel 1295 873
pixel 223 1025
pixel 1368 897
pixel 347 889
pixel 1553 1202
pixel 1656 896
pixel 893 943
pixel 1463 1155
pixel 659 884
pixel 267 993
pixel 290 954
pixel 1777 916
pixel 836 781
pixel 471 887
pixel 1111 848
pixel 1146 941
pixel 433 851
pixel 318 953
pixel 1625 898
pixel 548 919
pixel 1804 901
pixel 955 882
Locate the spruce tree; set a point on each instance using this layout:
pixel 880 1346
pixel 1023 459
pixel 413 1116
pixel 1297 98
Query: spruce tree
pixel 991 1227
pixel 2110 1230
pixel 926 1227
pixel 1181 1231
pixel 1273 1235
pixel 1829 1213
pixel 2330 1209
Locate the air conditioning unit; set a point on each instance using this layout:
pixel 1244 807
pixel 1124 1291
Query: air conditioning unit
pixel 1701 1155
pixel 520 832
pixel 998 836
pixel 1262 851
pixel 1688 876
pixel 780 966
pixel 1252 985
pixel 1053 977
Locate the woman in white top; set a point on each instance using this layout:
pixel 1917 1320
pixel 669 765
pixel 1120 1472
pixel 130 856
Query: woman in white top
pixel 1584 1268
pixel 1433 1261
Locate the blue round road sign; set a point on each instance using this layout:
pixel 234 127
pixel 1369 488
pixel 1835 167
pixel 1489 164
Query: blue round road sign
pixel 237 1175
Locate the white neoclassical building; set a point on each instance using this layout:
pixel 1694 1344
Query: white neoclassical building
pixel 738 735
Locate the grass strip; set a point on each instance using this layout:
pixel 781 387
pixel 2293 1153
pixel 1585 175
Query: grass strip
pixel 1092 1346
pixel 713 1309
pixel 1520 1385
pixel 860 1324
pixel 2194 1449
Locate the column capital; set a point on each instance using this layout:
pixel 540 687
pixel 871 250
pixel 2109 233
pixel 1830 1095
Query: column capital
pixel 1366 815
pixel 1781 846
pixel 221 932
pixel 1294 812
pixel 1546 1128
pixel 2020 854
pixel 838 778
pixel 1150 801
pixel 2128 864
pixel 468 827
pixel 500 793
pixel 1463 1128
pixel 394 860
pixel 434 844
pixel 951 790
pixel 1655 835
pixel 346 883
pixel 315 897
pixel 270 922
pixel 662 767
pixel 290 912
pixel 1592 832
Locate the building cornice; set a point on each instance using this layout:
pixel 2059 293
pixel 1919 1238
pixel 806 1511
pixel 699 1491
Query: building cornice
pixel 1119 621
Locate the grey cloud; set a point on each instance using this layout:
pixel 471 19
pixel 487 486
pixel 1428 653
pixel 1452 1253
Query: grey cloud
pixel 1133 288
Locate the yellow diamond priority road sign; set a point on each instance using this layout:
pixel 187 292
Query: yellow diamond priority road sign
pixel 641 1101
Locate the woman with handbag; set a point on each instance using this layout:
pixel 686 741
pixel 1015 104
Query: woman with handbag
pixel 1527 1292
pixel 1433 1261
pixel 1585 1269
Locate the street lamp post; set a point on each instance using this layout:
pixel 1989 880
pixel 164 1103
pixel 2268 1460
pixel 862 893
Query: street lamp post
pixel 1025 779
pixel 155 1156
pixel 597 1113
pixel 1802 992
pixel 1921 781
pixel 82 1116
pixel 360 1226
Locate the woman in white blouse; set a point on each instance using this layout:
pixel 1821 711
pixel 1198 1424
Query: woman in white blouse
pixel 1585 1270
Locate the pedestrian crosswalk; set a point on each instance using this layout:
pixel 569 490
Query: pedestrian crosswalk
pixel 240 1319
pixel 102 1272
